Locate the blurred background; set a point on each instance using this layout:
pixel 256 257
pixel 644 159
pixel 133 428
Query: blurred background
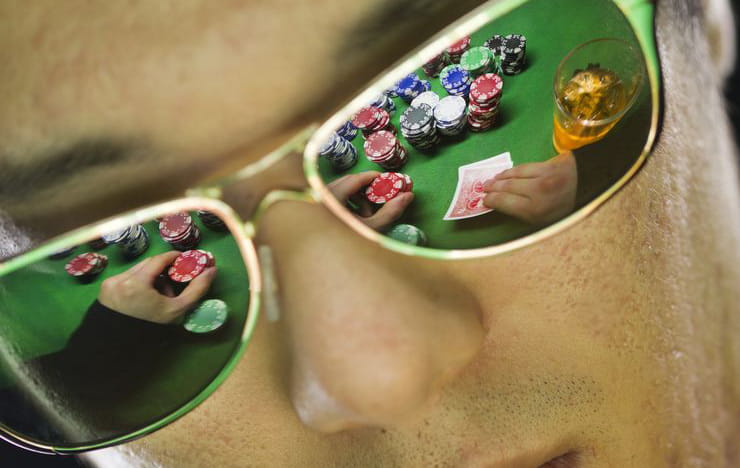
pixel 16 458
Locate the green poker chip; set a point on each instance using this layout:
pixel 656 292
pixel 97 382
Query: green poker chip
pixel 408 233
pixel 207 317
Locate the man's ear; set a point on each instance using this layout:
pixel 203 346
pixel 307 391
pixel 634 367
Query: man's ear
pixel 720 27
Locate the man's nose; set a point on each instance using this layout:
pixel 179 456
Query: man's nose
pixel 375 335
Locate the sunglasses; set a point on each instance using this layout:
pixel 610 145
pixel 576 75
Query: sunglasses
pixel 116 329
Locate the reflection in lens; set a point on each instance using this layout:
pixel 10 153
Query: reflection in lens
pixel 111 336
pixel 479 108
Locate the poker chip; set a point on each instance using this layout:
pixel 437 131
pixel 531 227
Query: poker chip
pixel 408 234
pixel 494 43
pixel 189 264
pixel 485 94
pixel 384 102
pixel 477 61
pixel 418 127
pixel 388 186
pixel 372 119
pixel 211 221
pixel 348 131
pixel 179 231
pixel 429 98
pixel 513 53
pixel 384 149
pixel 86 265
pixel 450 115
pixel 340 153
pixel 457 49
pixel 436 64
pixel 411 86
pixel 455 80
pixel 132 241
pixel 209 316
pixel 62 253
pixel 97 244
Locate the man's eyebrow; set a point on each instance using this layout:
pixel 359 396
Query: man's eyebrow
pixel 394 14
pixel 45 169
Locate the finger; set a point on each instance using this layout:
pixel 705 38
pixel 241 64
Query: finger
pixel 389 212
pixel 522 171
pixel 508 203
pixel 524 187
pixel 196 289
pixel 154 265
pixel 134 270
pixel 364 208
pixel 349 185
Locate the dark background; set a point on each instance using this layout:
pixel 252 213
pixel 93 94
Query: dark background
pixel 16 458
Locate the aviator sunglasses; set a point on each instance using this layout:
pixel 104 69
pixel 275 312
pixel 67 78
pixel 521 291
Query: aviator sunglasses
pixel 507 79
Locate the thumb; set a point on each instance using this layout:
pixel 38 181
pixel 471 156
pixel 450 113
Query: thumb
pixel 196 289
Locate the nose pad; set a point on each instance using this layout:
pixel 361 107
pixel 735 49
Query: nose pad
pixel 375 335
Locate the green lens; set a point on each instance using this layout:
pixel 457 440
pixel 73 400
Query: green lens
pixel 86 357
pixel 517 124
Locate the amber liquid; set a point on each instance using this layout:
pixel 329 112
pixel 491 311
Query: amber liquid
pixel 594 94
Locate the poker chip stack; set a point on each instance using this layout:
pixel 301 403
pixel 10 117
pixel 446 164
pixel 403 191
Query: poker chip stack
pixel 455 80
pixel 339 152
pixel 97 244
pixel 388 186
pixel 495 43
pixel 411 86
pixel 372 119
pixel 87 265
pixel 477 61
pixel 485 94
pixel 418 127
pixel 133 240
pixel 384 102
pixel 436 64
pixel 211 221
pixel 180 231
pixel 384 149
pixel 513 53
pixel 449 115
pixel 348 131
pixel 61 253
pixel 189 264
pixel 457 49
pixel 408 233
pixel 429 98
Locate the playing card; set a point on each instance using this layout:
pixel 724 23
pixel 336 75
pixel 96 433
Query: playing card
pixel 468 199
pixel 501 159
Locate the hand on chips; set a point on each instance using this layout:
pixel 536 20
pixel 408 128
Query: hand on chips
pixel 349 188
pixel 132 292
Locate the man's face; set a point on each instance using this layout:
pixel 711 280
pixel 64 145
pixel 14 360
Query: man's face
pixel 607 345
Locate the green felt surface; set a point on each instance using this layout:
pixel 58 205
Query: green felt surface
pixel 552 28
pixel 42 306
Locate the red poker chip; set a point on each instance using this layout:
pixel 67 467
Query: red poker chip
pixel 459 46
pixel 211 258
pixel 87 263
pixel 379 144
pixel 187 266
pixel 175 226
pixel 367 117
pixel 385 187
pixel 486 87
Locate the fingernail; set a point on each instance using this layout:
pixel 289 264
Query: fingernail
pixel 487 185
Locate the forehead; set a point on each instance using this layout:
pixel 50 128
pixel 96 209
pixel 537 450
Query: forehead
pixel 187 88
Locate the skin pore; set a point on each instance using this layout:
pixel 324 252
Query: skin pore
pixel 610 344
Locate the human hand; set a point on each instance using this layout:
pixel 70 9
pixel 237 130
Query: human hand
pixel 348 188
pixel 132 292
pixel 537 193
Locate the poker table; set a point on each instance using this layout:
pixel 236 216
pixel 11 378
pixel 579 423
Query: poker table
pixel 552 28
pixel 42 306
